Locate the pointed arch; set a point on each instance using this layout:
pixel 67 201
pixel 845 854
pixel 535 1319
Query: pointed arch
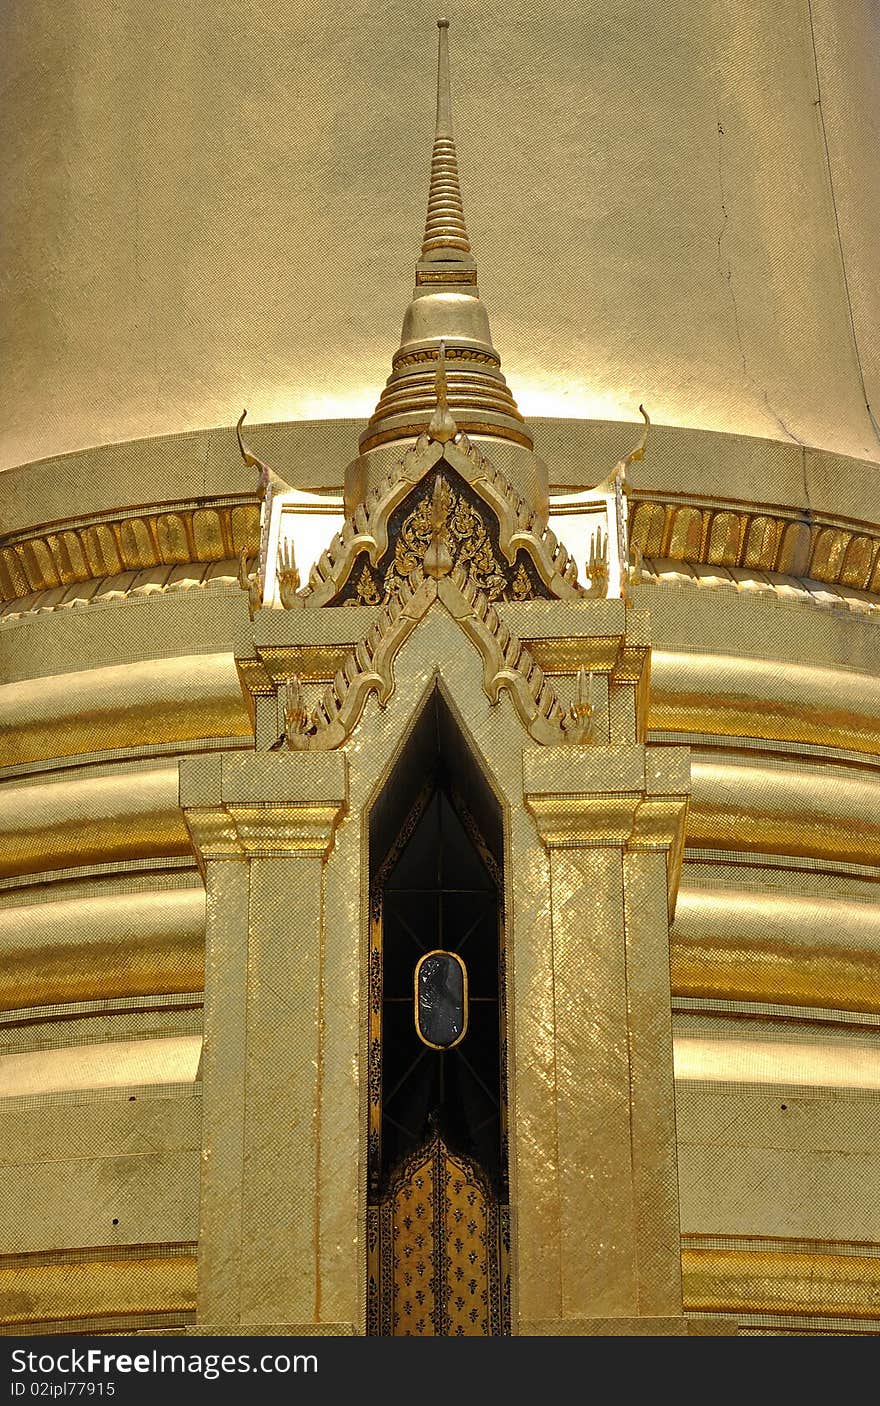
pixel 437 1142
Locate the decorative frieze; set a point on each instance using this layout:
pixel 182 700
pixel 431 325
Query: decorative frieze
pixel 173 535
pixel 211 531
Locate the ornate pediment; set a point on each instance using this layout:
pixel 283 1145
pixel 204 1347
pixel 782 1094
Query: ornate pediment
pixel 369 667
pixel 445 529
pixel 489 530
pixel 472 537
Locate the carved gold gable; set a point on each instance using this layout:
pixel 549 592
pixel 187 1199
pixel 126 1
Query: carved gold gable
pixel 490 531
pixel 471 530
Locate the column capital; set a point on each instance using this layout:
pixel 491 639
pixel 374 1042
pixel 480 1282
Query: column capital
pixel 630 796
pixel 250 805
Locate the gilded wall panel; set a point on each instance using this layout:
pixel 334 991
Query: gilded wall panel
pixel 593 1089
pixel 224 1084
pixel 652 1098
pixel 279 1271
pixel 122 1200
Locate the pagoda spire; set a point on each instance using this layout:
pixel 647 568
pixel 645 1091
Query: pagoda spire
pixel 446 312
pixel 446 236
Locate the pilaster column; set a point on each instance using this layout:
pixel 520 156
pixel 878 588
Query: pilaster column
pixel 612 819
pixel 262 825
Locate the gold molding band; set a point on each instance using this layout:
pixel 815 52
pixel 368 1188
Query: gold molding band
pixel 734 696
pixel 751 1062
pixel 193 696
pixel 710 1062
pixel 725 945
pixel 91 820
pixel 759 808
pixel 173 535
pixel 121 705
pixel 101 1065
pixel 765 541
pixel 762 808
pixel 34 1291
pixel 778 1281
pixel 719 535
pixel 715 1281
pixel 102 947
pixel 776 948
pixel 473 428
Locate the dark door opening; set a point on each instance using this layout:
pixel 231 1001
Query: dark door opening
pixel 438 1196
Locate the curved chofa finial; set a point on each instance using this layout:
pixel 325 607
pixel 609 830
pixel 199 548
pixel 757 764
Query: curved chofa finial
pixel 594 524
pixel 618 473
pixel 627 566
pixel 249 458
pixel 639 452
pixel 446 310
pixel 293 524
pixel 270 483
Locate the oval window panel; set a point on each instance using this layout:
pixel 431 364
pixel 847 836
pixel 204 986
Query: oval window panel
pixel 441 999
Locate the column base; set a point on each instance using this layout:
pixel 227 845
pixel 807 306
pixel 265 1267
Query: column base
pixel 645 1327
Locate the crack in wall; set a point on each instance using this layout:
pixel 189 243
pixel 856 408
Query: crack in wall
pixel 820 112
pixel 727 275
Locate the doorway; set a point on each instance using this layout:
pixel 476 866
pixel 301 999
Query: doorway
pixel 438 1212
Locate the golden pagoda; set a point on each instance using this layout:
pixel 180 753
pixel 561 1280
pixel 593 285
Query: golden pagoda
pixel 439 843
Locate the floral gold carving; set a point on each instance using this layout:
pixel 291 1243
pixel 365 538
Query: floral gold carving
pixel 366 590
pixel 466 537
pixel 521 587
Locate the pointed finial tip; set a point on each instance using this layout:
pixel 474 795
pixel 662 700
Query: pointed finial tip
pixel 443 24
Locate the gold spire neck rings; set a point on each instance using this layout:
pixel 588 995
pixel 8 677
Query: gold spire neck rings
pixel 446 237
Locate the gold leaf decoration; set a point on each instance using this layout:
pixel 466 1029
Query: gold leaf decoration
pixel 466 536
pixel 522 586
pixel 367 591
pixel 437 1253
